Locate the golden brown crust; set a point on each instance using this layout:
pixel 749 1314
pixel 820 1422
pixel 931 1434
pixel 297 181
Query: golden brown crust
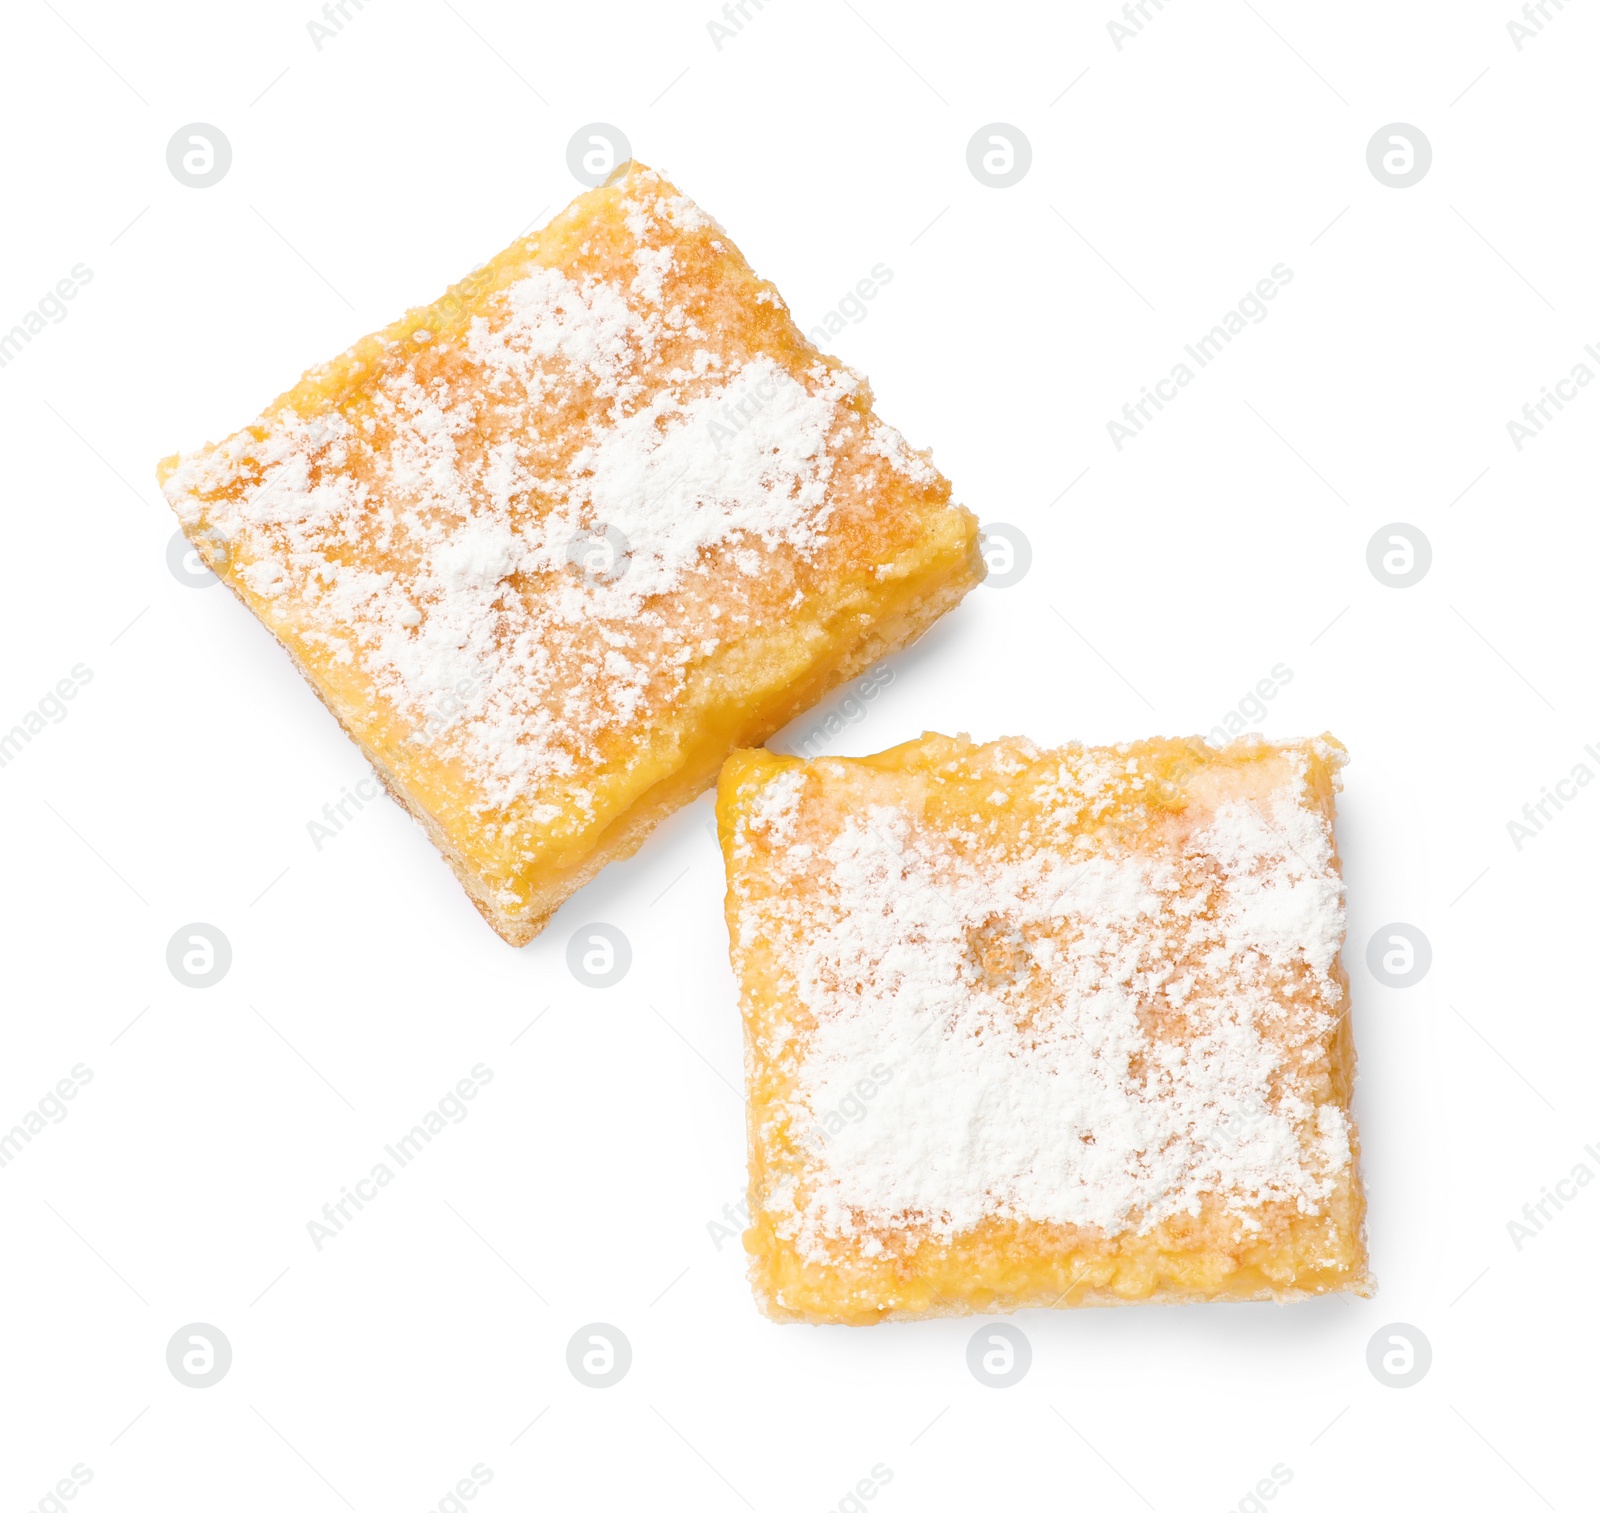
pixel 999 1264
pixel 587 724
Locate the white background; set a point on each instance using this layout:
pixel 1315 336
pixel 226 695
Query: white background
pixel 1231 535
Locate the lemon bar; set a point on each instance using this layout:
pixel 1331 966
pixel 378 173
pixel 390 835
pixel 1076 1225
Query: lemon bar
pixel 1042 1028
pixel 553 546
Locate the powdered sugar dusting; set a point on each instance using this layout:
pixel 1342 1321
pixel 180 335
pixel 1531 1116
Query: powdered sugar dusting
pixel 774 811
pixel 435 532
pixel 1099 1040
pixel 1282 898
pixel 746 457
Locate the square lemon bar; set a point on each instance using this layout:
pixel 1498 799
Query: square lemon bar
pixel 1031 1028
pixel 553 546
